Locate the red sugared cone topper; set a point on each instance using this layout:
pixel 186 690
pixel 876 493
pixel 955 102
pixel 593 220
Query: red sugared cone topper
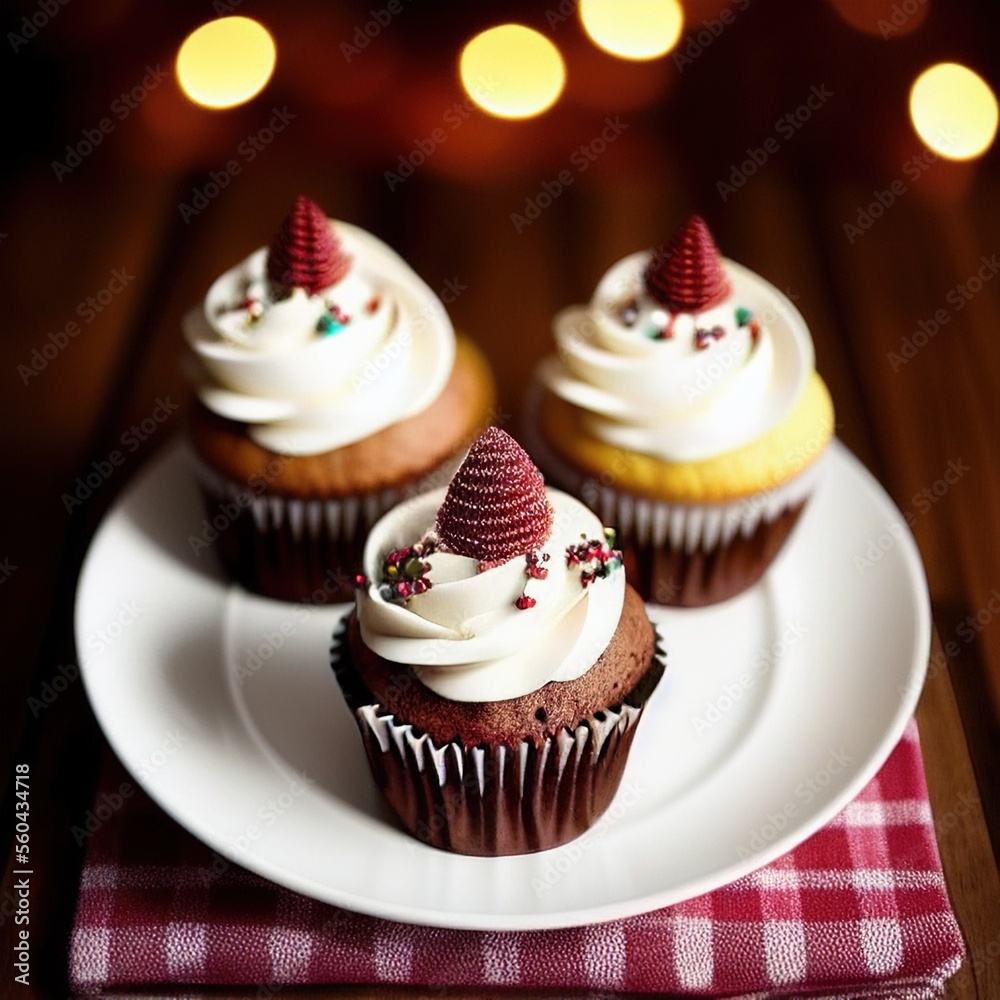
pixel 496 508
pixel 305 253
pixel 689 276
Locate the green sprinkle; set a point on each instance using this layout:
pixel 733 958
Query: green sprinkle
pixel 327 324
pixel 413 568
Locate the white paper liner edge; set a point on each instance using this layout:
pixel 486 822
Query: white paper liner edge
pixel 306 518
pixel 388 733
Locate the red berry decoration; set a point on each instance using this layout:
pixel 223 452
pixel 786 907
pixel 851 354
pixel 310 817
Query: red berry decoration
pixel 689 276
pixel 305 253
pixel 495 508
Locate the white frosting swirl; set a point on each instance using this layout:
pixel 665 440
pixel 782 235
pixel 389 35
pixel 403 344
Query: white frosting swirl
pixel 464 637
pixel 685 397
pixel 303 390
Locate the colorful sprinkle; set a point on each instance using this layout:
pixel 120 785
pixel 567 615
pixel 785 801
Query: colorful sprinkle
pixel 252 308
pixel 702 338
pixel 534 569
pixel 743 315
pixel 333 320
pixel 628 312
pixel 597 558
pixel 662 326
pixel 326 324
pixel 404 571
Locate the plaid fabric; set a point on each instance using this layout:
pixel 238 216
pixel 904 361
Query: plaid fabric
pixel 859 909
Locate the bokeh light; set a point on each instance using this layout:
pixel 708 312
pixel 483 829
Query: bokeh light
pixel 886 19
pixel 512 71
pixel 226 62
pixel 633 29
pixel 954 111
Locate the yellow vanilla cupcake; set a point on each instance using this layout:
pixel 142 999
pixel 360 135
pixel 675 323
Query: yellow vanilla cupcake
pixel 684 406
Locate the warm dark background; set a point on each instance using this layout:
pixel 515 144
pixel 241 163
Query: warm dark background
pixel 687 127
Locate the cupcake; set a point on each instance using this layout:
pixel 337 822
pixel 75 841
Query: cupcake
pixel 684 407
pixel 330 386
pixel 496 662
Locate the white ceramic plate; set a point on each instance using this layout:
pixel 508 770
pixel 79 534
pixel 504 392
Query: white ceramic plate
pixel 776 708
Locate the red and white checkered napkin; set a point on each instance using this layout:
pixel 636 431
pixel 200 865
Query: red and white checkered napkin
pixel 859 909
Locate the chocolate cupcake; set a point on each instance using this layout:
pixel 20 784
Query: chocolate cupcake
pixel 683 406
pixel 330 386
pixel 497 664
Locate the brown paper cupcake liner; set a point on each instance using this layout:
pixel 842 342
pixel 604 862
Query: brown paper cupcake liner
pixel 503 799
pixel 692 555
pixel 293 549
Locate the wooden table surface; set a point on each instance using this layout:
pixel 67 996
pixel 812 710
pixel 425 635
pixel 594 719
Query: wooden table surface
pixel 905 315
